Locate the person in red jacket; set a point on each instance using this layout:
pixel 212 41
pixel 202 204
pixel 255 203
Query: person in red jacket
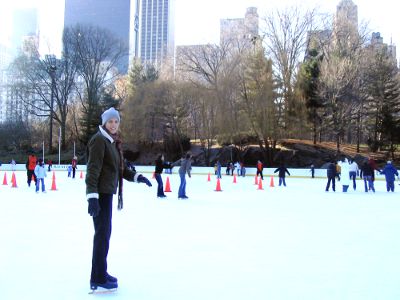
pixel 30 168
pixel 374 166
pixel 260 168
pixel 74 164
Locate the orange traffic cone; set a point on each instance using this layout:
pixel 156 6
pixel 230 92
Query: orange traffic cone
pixel 271 184
pixel 13 181
pixel 154 175
pixel 167 186
pixel 5 179
pixel 209 177
pixel 33 178
pixel 218 188
pixel 260 187
pixel 256 180
pixel 53 183
pixel 234 178
pixel 81 176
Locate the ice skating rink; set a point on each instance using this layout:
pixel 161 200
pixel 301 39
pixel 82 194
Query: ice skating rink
pixel 298 242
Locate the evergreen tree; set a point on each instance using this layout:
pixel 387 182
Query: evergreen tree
pixel 383 101
pixel 308 85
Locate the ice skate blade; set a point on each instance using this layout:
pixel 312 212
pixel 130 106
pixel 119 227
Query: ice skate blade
pixel 101 290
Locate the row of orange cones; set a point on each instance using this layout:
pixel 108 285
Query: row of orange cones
pixel 218 187
pixel 14 180
pixel 256 182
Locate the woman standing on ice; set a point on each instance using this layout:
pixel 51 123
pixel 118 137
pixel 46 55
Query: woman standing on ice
pixel 353 169
pixel 186 167
pixel 105 172
pixel 345 180
pixel 40 173
pixel 160 165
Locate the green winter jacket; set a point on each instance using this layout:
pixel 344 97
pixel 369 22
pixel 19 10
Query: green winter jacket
pixel 103 166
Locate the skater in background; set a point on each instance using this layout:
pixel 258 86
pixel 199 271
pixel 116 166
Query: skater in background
pixel 74 165
pixel 105 173
pixel 367 173
pixel 374 166
pixel 218 169
pixel 160 165
pixel 237 166
pixel 353 170
pixel 186 167
pixel 40 173
pixel 168 167
pixel 69 170
pixel 228 168
pixel 390 172
pixel 232 167
pixel 345 180
pixel 312 170
pixel 260 168
pixel 242 169
pixel 282 173
pixel 30 168
pixel 338 170
pixel 331 174
pixel 50 164
pixel 13 164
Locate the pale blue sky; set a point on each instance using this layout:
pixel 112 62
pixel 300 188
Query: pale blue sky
pixel 198 21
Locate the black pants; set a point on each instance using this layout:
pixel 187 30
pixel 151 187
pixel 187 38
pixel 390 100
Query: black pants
pixel 260 173
pixel 329 183
pixel 101 241
pixel 73 172
pixel 160 185
pixel 29 174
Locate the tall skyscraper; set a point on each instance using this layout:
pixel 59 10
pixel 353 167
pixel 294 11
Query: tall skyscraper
pixel 113 15
pixel 156 31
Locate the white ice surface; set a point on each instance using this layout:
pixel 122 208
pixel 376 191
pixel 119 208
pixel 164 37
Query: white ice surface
pixel 297 242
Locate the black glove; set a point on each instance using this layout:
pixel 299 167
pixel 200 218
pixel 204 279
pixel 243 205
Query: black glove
pixel 94 207
pixel 143 179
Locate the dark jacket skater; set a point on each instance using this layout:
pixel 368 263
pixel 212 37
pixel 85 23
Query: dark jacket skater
pixel 105 171
pixel 282 173
pixel 367 173
pixel 331 174
pixel 390 172
pixel 160 165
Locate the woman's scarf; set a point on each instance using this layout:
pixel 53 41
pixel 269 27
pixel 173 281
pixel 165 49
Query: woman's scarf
pixel 118 143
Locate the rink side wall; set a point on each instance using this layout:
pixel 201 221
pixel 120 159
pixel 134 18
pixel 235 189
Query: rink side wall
pixel 267 172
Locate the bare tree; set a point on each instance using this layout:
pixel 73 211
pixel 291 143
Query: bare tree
pixel 45 85
pixel 258 94
pixel 340 73
pixel 98 53
pixel 285 36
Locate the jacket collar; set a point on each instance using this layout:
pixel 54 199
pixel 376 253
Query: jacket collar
pixel 106 135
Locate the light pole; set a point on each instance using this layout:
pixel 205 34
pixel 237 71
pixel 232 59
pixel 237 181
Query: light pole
pixel 52 67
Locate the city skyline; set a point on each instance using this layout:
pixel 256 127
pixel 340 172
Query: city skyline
pixel 198 22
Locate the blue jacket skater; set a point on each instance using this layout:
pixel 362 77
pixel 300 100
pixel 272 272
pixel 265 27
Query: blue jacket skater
pixel 389 171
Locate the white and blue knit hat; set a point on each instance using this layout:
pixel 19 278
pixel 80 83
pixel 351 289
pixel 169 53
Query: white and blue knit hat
pixel 109 114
